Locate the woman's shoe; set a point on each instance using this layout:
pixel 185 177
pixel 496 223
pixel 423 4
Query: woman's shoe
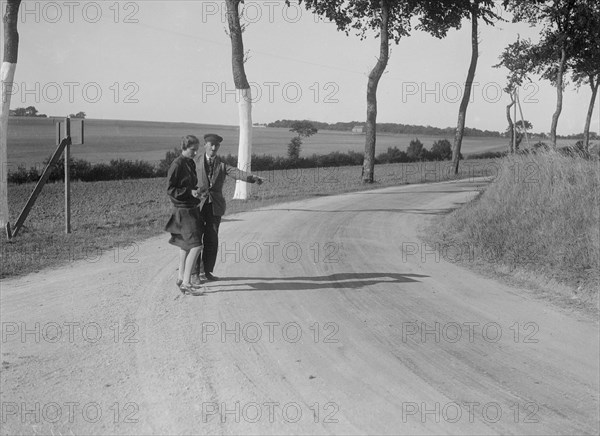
pixel 190 289
pixel 186 289
pixel 178 282
pixel 198 289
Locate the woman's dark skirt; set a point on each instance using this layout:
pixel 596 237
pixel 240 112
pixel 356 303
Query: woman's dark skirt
pixel 186 227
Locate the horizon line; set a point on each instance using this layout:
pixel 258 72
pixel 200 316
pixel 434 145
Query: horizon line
pixel 325 122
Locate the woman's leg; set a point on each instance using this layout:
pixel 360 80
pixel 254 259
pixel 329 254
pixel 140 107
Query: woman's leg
pixel 182 257
pixel 192 256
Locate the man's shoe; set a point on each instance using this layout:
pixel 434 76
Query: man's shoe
pixel 210 277
pixel 196 280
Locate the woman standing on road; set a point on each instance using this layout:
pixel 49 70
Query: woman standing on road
pixel 185 224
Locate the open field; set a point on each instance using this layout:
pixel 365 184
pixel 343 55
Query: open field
pixel 31 140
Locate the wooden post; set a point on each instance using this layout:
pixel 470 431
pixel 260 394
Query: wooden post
pixel 64 142
pixel 67 177
pixel 515 122
pixel 38 188
pixel 523 121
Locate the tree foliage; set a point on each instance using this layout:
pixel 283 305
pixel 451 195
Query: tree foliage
pixel 29 111
pixel 521 130
pixel 415 150
pixel 585 62
pixel 564 32
pixel 293 150
pixel 304 129
pixel 441 149
pixel 363 16
pixel 517 58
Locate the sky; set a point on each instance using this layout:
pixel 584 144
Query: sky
pixel 161 60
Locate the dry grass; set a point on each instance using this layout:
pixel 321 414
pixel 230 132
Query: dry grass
pixel 538 222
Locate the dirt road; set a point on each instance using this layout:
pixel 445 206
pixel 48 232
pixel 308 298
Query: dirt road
pixel 332 318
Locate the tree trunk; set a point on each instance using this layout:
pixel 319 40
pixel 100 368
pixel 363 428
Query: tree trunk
pixel 374 76
pixel 243 189
pixel 559 95
pixel 7 75
pixel 511 125
pixel 462 110
pixel 244 97
pixel 588 118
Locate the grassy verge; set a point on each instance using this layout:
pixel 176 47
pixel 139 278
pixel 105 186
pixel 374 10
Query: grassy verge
pixel 109 217
pixel 537 225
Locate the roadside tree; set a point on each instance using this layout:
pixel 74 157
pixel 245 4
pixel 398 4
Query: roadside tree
pixel 389 19
pixel 7 75
pixel 474 10
pixel 243 96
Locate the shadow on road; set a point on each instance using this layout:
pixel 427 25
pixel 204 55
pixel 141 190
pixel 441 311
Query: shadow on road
pixel 340 281
pixel 416 191
pixel 412 211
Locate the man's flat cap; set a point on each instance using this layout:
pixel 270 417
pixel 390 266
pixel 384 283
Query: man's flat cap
pixel 213 138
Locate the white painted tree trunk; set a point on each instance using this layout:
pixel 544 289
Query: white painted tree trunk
pixel 7 75
pixel 244 96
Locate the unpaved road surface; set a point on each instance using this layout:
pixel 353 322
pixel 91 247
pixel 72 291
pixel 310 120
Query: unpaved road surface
pixel 331 318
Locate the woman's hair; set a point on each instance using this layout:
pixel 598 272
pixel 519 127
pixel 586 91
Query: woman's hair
pixel 189 141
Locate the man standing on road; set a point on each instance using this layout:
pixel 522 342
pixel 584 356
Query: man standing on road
pixel 211 173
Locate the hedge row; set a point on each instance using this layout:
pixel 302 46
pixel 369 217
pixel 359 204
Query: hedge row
pixel 120 169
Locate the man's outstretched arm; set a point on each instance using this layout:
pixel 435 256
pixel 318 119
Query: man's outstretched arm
pixel 238 174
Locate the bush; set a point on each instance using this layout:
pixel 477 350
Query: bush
pixel 441 150
pixel 78 169
pixel 356 158
pixel 99 172
pixel 22 175
pixel 57 171
pixel 231 160
pixel 415 150
pixel 333 159
pixel 293 150
pixel 392 155
pixel 120 169
pixel 164 164
pixel 126 169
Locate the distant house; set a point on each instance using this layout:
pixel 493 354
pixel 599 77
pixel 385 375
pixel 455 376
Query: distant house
pixel 259 125
pixel 358 129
